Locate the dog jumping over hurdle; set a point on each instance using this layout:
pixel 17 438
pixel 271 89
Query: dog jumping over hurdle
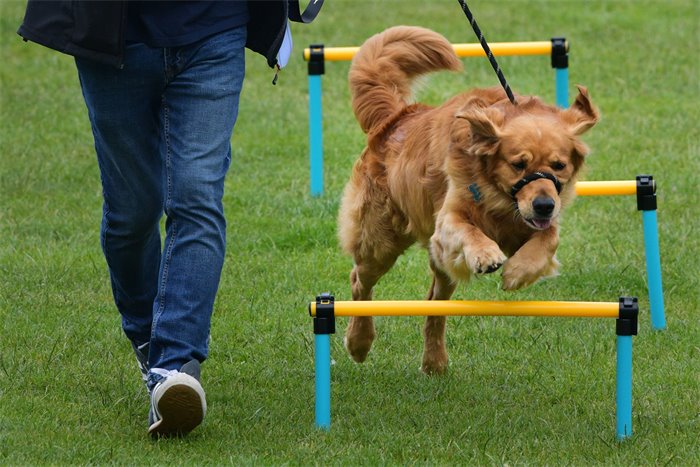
pixel 477 181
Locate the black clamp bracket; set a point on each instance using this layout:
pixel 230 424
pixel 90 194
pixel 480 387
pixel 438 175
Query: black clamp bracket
pixel 316 60
pixel 324 321
pixel 646 193
pixel 626 324
pixel 560 52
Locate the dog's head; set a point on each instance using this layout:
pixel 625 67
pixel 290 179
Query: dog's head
pixel 530 152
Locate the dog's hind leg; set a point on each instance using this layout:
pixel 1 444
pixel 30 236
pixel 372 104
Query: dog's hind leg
pixel 360 332
pixel 434 349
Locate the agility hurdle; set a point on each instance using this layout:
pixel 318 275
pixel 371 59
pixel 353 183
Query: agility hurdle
pixel 558 48
pixel 625 311
pixel 316 55
pixel 644 187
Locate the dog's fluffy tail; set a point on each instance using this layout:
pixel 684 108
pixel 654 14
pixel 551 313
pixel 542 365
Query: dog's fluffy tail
pixel 385 66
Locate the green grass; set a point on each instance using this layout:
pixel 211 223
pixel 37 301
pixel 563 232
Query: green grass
pixel 519 391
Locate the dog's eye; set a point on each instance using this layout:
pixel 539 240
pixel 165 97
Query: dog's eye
pixel 520 165
pixel 558 166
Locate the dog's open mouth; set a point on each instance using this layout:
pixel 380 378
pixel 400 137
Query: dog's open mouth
pixel 539 224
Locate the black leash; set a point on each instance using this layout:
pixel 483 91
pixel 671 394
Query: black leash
pixel 487 49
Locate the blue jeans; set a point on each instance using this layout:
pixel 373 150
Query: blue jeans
pixel 162 127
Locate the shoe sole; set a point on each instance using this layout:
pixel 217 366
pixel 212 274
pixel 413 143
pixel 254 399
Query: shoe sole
pixel 181 410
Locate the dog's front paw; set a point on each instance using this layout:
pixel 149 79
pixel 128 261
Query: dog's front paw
pixel 484 260
pixel 518 273
pixel 462 253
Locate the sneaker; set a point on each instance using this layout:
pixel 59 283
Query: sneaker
pixel 141 352
pixel 178 403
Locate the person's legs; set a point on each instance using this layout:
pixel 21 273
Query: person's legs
pixel 199 109
pixel 162 128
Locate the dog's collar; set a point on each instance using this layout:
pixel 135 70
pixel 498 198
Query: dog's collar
pixel 531 178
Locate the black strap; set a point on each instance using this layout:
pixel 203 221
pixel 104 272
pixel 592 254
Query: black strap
pixel 309 13
pixel 531 178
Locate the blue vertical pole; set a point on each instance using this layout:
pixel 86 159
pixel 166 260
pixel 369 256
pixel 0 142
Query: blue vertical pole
pixel 316 69
pixel 562 87
pixel 625 328
pixel 646 202
pixel 653 259
pixel 560 63
pixel 324 326
pixel 322 347
pixel 624 387
pixel 315 135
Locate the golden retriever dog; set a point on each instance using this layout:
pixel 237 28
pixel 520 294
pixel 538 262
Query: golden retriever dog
pixel 477 181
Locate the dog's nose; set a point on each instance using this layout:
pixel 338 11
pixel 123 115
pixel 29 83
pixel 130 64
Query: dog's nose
pixel 543 206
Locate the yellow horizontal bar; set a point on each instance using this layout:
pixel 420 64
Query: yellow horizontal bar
pixel 462 50
pixel 607 188
pixel 505 48
pixel 474 308
pixel 334 54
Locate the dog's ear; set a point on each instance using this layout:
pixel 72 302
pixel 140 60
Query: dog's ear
pixel 582 115
pixel 485 128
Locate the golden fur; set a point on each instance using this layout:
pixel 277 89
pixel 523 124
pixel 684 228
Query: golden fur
pixel 412 181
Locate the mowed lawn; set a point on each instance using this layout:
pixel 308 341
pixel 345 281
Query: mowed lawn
pixel 518 390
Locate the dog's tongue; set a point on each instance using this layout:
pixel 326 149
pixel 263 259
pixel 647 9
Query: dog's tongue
pixel 542 223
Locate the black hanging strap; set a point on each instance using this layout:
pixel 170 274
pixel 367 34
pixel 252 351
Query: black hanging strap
pixel 309 13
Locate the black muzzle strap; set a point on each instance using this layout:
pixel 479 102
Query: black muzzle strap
pixel 531 178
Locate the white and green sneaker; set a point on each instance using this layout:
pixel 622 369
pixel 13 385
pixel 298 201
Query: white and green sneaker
pixel 178 403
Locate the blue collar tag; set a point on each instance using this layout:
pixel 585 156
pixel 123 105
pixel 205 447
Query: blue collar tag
pixel 474 188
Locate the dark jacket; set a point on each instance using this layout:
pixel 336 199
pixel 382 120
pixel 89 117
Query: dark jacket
pixel 94 29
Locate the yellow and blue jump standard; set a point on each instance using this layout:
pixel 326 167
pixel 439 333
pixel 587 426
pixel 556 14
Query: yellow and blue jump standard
pixel 325 309
pixel 646 202
pixel 644 187
pixel 316 68
pixel 560 63
pixel 317 55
